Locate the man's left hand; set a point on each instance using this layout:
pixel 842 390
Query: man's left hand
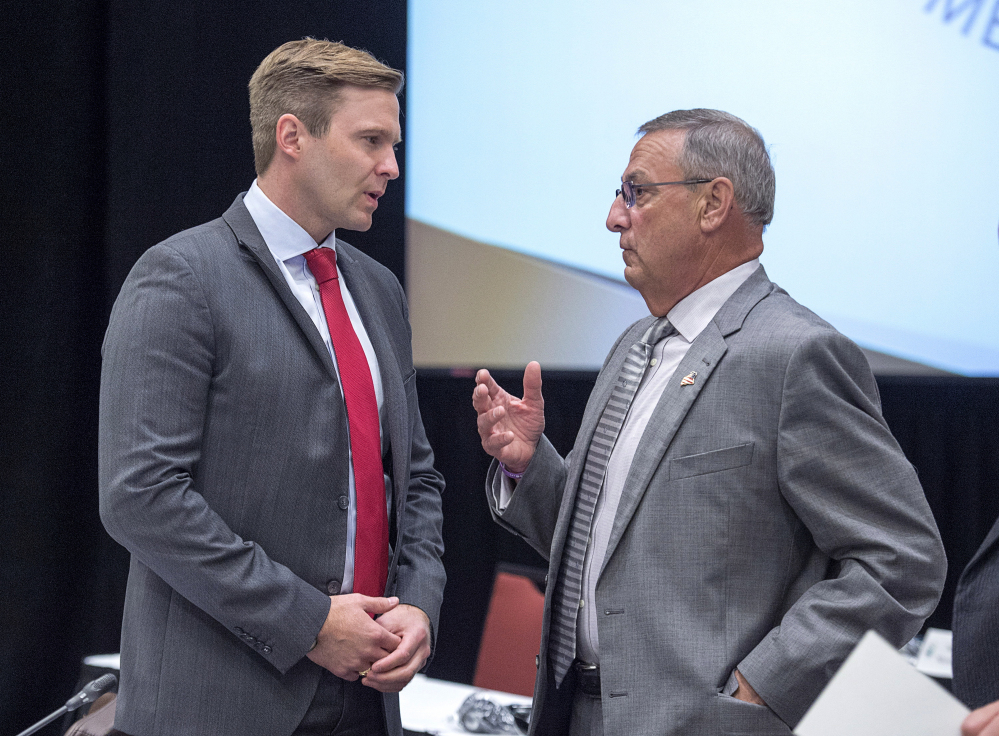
pixel 744 692
pixel 392 673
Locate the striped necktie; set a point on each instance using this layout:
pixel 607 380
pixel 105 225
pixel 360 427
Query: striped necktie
pixel 568 587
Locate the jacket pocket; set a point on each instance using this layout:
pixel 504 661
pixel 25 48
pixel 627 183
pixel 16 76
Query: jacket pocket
pixel 711 462
pixel 737 718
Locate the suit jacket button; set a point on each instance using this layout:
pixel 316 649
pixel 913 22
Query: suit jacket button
pixel 537 661
pixel 266 649
pixel 333 587
pixel 343 502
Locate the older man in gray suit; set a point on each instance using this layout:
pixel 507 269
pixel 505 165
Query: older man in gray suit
pixel 735 513
pixel 262 454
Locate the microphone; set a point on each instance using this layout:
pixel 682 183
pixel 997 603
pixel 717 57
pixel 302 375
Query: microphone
pixel 90 692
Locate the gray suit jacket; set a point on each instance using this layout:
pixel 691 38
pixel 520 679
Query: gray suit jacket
pixel 976 626
pixel 769 519
pixel 223 470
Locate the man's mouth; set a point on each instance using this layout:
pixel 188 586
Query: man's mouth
pixel 373 197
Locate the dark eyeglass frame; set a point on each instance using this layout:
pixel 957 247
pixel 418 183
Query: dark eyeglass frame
pixel 629 190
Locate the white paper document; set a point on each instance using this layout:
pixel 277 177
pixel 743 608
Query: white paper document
pixel 878 693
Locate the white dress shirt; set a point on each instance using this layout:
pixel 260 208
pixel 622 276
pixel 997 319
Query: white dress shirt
pixel 287 241
pixel 690 316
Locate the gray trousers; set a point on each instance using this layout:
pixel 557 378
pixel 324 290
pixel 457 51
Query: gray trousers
pixel 587 716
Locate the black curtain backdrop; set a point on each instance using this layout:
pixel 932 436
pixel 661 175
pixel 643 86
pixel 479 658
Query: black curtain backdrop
pixel 124 122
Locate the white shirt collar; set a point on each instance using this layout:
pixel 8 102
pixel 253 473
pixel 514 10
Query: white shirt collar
pixel 693 313
pixel 284 237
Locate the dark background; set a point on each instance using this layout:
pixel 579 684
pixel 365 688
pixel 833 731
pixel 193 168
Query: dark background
pixel 124 122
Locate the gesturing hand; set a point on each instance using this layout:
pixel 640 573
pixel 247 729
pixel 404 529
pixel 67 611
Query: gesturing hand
pixel 350 641
pixel 510 427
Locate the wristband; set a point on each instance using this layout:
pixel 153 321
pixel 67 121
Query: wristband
pixel 509 474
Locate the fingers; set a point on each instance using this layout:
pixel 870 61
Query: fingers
pixel 385 641
pixel 485 391
pixel 392 673
pixel 378 605
pixel 532 382
pixel 982 722
pixel 399 658
pixel 487 421
pixel 992 729
pixel 350 640
pixel 482 378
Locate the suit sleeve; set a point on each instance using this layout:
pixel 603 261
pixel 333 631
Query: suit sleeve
pixel 849 483
pixel 155 382
pixel 533 508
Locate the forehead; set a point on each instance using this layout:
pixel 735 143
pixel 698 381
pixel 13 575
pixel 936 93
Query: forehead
pixel 655 156
pixel 367 108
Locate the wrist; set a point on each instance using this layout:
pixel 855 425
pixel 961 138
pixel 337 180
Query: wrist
pixel 510 473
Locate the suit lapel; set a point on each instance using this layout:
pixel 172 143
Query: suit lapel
pixel 990 541
pixel 591 415
pixel 704 355
pixel 253 245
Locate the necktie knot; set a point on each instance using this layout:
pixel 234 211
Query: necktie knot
pixel 322 263
pixel 660 329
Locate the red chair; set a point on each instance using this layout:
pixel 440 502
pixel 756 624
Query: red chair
pixel 511 637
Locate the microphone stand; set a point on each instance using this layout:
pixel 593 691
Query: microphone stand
pixel 45 721
pixel 88 694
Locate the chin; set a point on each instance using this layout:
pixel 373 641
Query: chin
pixel 359 225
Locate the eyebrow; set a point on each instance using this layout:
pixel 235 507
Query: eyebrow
pixel 631 175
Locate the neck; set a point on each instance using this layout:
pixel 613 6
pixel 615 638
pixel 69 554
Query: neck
pixel 281 191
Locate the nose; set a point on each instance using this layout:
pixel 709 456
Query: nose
pixel 388 165
pixel 619 217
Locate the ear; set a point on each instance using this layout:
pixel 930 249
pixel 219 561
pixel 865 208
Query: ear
pixel 717 204
pixel 290 134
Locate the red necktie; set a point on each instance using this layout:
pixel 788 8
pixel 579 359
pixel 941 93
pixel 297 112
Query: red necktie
pixel 371 543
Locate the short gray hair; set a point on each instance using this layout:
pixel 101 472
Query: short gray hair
pixel 720 144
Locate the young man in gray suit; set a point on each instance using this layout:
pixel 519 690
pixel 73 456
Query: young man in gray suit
pixel 262 454
pixel 735 513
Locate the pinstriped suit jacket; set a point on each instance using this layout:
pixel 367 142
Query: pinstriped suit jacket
pixel 223 470
pixel 769 519
pixel 976 626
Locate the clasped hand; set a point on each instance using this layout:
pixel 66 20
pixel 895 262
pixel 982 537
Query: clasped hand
pixel 392 647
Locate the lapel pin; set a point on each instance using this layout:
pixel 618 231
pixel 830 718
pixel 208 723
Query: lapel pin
pixel 688 380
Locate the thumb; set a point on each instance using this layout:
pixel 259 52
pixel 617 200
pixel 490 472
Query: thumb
pixel 377 606
pixel 532 381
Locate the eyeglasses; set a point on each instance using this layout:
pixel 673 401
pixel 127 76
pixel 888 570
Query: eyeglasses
pixel 630 191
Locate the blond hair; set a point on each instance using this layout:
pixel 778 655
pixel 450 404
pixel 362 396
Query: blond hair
pixel 304 78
